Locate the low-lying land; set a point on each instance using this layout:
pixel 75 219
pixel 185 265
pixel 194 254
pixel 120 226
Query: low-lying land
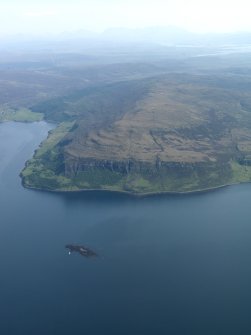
pixel 19 115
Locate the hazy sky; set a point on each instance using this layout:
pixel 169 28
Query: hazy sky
pixel 41 16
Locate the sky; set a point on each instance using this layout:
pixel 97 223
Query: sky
pixel 56 16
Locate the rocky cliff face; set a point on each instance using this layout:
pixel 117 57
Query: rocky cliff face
pixel 73 166
pixel 142 177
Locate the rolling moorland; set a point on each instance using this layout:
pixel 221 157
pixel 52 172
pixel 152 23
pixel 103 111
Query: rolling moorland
pixel 165 124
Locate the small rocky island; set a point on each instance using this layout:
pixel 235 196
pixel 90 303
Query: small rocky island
pixel 83 251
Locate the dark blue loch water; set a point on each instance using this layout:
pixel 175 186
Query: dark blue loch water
pixel 167 264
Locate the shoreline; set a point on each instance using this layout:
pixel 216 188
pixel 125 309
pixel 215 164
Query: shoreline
pixel 135 195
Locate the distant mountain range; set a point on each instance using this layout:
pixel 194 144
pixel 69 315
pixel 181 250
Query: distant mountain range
pixel 171 36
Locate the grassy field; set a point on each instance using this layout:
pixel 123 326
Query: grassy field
pixel 41 170
pixel 19 115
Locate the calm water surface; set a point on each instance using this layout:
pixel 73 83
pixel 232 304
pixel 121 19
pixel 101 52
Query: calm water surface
pixel 167 265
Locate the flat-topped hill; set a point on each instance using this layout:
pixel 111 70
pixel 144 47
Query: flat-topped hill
pixel 173 132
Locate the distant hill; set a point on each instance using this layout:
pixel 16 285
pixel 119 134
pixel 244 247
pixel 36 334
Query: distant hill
pixel 79 40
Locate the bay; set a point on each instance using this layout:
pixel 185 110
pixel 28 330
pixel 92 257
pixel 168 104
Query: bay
pixel 166 264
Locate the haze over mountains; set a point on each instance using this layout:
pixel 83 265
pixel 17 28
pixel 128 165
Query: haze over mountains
pixel 165 36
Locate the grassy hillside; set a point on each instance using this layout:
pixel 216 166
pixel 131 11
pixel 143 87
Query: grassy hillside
pixel 167 133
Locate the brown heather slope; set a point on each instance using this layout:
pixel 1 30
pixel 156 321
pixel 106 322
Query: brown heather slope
pixel 184 133
pixel 173 123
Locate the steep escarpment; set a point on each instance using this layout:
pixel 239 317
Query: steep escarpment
pixel 168 133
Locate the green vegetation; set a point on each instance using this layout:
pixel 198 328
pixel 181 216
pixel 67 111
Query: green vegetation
pixel 19 115
pixel 241 173
pixel 55 136
pixel 41 171
pixel 94 104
